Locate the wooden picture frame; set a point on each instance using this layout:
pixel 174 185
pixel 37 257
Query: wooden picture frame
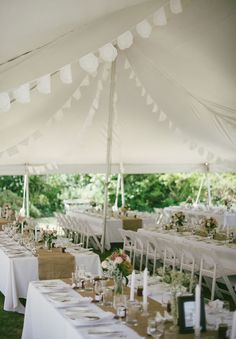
pixel 186 305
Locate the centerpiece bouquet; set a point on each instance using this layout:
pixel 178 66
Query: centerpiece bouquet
pixel 228 203
pixel 178 219
pixel 48 236
pixel 210 224
pixel 118 266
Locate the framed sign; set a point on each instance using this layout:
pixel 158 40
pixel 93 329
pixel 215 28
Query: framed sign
pixel 186 309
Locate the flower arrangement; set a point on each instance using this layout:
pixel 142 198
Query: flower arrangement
pixel 177 279
pixel 228 203
pixel 178 219
pixel 118 263
pixel 48 235
pixel 210 224
pixel 118 266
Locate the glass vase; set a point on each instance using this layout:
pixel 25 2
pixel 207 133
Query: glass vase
pixel 118 284
pixel 48 245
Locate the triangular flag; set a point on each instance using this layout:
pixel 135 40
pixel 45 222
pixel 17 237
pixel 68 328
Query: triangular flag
pixel 162 116
pixel 67 104
pixel 176 6
pixel 155 108
pixel 149 100
pixel 85 82
pixel 131 76
pixel 137 82
pixel 25 142
pixel 95 103
pixel 170 124
pixel 159 18
pixel 12 151
pixel 77 94
pixel 59 115
pixel 36 135
pixel 127 64
pixel 143 92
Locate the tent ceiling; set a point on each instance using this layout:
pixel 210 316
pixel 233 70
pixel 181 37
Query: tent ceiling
pixel 175 104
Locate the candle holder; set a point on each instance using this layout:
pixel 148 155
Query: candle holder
pixel 197 333
pixel 145 310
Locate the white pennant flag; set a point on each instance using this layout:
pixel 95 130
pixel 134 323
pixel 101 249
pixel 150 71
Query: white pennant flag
pixel 159 18
pixel 96 103
pixel 85 82
pixel 162 116
pixel 127 64
pixel 131 76
pixel 143 92
pixel 44 84
pixel 36 135
pixel 170 124
pixel 77 94
pixel 66 74
pixel 5 103
pixel 67 104
pixel 12 151
pixel 176 6
pixel 149 100
pixel 155 108
pixel 25 142
pixel 59 115
pixel 22 93
pixel 137 82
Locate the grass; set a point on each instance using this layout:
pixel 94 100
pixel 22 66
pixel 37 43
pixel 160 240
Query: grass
pixel 11 323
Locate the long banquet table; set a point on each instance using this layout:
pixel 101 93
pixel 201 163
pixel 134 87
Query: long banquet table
pixel 224 218
pixel 57 322
pixel 18 267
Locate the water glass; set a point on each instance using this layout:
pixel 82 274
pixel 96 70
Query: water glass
pixel 133 309
pixel 107 297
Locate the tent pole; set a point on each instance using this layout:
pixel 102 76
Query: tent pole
pixel 208 189
pixel 109 150
pixel 199 191
pixel 27 196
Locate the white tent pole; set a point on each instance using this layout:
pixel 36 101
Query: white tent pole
pixel 199 191
pixel 122 190
pixel 208 189
pixel 109 149
pixel 27 196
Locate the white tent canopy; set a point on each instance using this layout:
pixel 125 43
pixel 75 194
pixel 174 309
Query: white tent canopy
pixel 174 98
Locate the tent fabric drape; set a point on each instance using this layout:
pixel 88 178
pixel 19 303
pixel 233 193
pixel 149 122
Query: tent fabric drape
pixel 175 103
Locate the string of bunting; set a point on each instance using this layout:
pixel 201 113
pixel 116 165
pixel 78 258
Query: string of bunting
pixel 163 117
pixel 90 62
pixel 56 117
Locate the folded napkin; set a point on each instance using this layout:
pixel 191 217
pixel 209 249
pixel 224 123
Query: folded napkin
pixel 216 305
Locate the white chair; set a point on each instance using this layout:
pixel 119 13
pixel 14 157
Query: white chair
pixel 187 263
pixel 128 243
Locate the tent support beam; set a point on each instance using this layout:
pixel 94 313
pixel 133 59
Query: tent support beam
pixel 109 150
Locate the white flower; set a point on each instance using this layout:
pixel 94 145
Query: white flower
pixel 105 264
pixel 118 260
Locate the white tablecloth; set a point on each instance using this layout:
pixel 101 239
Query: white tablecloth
pixel 96 222
pixel 16 273
pixel 91 261
pixel 225 254
pixel 53 324
pixel 223 217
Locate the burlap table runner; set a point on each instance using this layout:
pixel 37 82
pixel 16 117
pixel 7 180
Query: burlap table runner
pixel 131 223
pixel 153 308
pixel 55 264
pixel 3 222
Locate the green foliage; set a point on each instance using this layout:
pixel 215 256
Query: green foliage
pixel 143 192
